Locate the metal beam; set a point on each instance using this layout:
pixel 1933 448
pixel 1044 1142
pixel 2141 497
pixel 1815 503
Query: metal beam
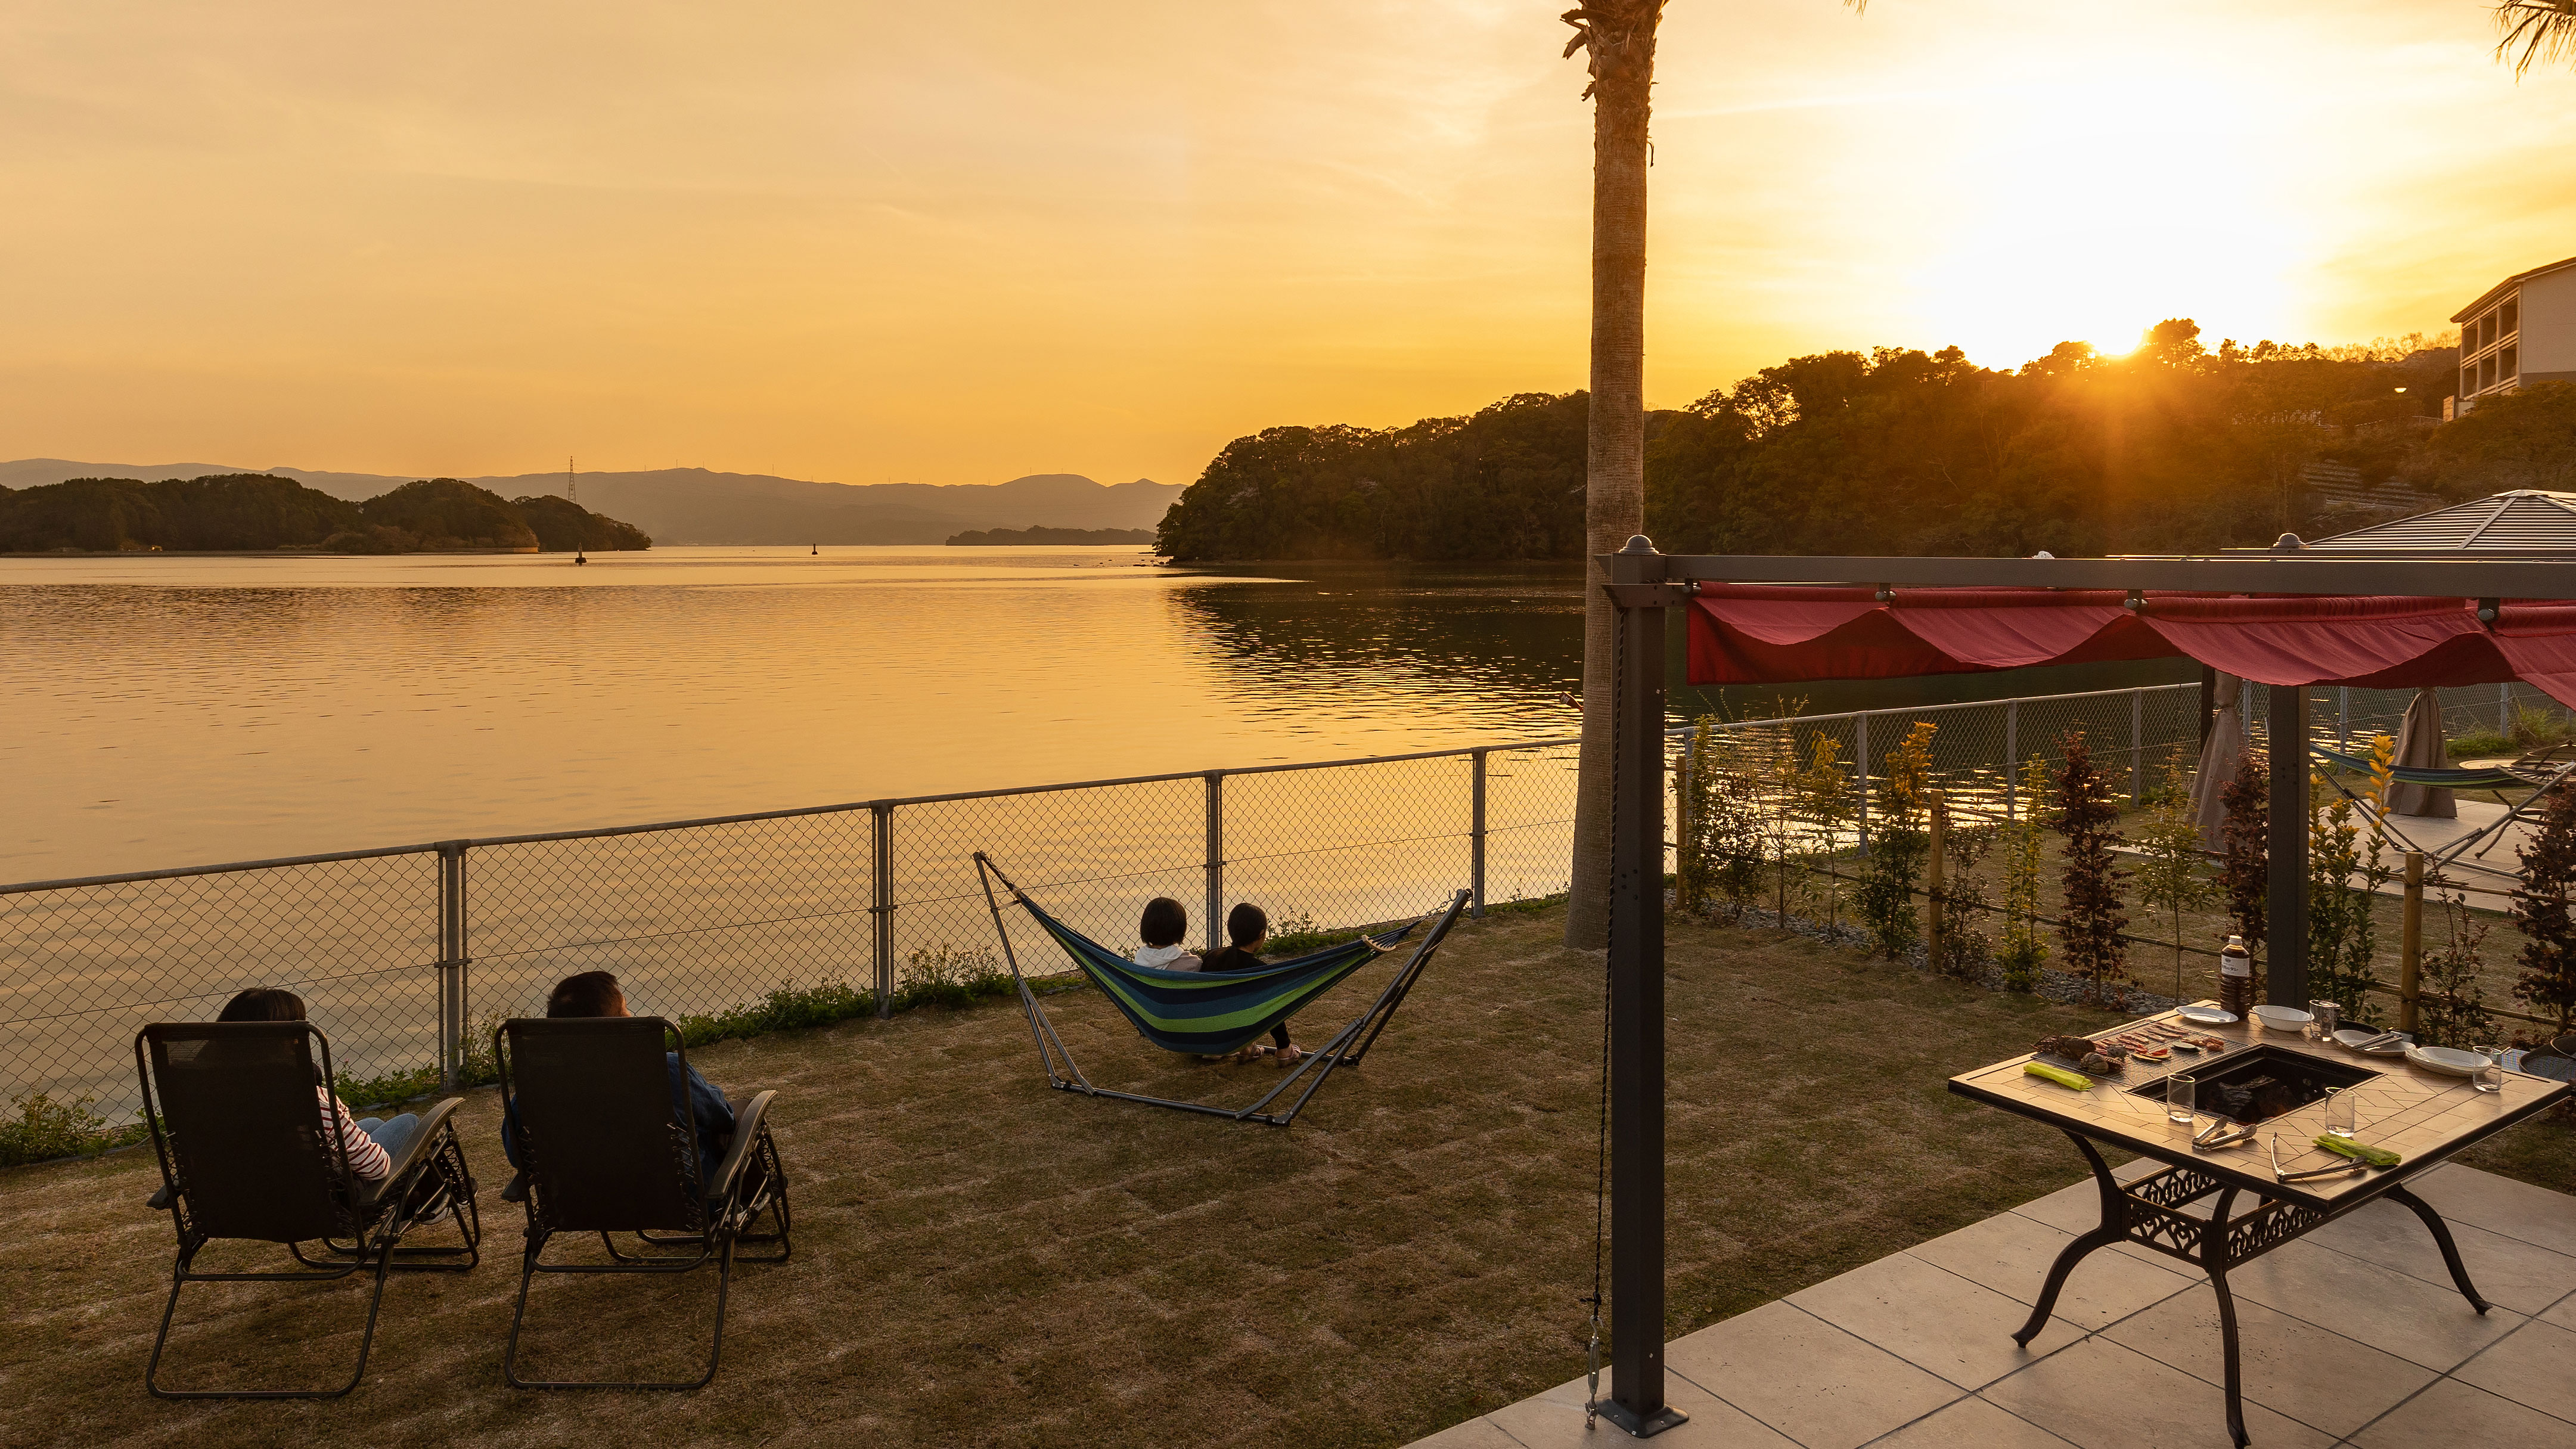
pixel 2285 914
pixel 1636 967
pixel 2201 573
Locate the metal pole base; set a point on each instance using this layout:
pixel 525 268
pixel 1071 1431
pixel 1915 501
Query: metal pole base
pixel 1619 1416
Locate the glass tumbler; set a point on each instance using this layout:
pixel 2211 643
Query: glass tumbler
pixel 2490 1077
pixel 2341 1116
pixel 2182 1095
pixel 2324 1017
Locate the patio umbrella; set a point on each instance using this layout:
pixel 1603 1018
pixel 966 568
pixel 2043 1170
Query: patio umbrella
pixel 2218 761
pixel 2420 747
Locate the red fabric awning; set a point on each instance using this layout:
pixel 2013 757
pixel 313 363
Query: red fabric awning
pixel 1761 634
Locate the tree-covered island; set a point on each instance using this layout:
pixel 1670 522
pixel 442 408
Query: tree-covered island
pixel 256 511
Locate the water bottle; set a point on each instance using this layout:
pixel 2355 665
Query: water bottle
pixel 2236 978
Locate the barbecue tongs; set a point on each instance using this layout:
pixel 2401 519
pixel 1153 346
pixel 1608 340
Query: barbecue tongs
pixel 2338 1170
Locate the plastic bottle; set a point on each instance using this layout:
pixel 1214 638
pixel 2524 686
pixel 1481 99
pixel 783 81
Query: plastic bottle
pixel 2236 978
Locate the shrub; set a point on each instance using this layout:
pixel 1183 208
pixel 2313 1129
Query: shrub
pixel 2541 910
pixel 46 1129
pixel 2450 1003
pixel 2169 875
pixel 1722 823
pixel 2246 850
pixel 1964 948
pixel 1899 846
pixel 2342 926
pixel 2024 954
pixel 2090 929
pixel 951 976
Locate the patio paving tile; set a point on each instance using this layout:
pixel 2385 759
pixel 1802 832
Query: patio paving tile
pixel 2535 1367
pixel 1554 1420
pixel 1806 1378
pixel 1971 1424
pixel 2100 1395
pixel 2509 1272
pixel 2564 1314
pixel 2452 1413
pixel 1477 1433
pixel 2312 1375
pixel 2534 1215
pixel 1933 1319
pixel 2011 1254
pixel 2426 1323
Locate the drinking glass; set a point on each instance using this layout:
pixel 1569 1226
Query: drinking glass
pixel 2182 1095
pixel 2329 1018
pixel 2489 1078
pixel 2340 1112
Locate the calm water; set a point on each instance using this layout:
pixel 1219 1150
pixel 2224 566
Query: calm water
pixel 172 711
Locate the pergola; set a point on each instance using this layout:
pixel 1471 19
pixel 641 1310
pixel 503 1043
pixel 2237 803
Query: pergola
pixel 2288 619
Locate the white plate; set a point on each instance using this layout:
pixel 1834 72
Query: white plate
pixel 2353 1036
pixel 2206 1015
pixel 2450 1060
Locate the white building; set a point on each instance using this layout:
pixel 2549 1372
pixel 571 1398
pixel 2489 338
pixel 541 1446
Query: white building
pixel 2522 330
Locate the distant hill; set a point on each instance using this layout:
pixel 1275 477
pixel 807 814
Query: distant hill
pixel 693 505
pixel 244 511
pixel 1025 537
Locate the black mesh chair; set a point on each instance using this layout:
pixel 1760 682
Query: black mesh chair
pixel 604 1148
pixel 247 1152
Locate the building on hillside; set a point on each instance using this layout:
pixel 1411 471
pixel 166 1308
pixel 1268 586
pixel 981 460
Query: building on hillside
pixel 2522 330
pixel 2525 523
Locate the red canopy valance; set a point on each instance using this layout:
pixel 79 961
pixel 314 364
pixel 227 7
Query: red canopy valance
pixel 1758 634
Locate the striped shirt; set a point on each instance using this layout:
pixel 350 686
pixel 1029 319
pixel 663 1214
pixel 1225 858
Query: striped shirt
pixel 367 1159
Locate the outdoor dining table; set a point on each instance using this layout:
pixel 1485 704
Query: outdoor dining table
pixel 2422 1114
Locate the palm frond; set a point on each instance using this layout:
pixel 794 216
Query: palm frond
pixel 2540 29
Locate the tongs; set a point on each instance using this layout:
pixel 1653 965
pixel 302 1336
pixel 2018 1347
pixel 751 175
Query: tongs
pixel 2339 1170
pixel 2221 1133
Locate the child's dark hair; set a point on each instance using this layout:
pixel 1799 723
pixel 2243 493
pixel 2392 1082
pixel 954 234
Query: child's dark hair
pixel 263 1003
pixel 1246 924
pixel 1164 923
pixel 589 993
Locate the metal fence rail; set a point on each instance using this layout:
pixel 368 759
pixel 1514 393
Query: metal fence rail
pixel 402 953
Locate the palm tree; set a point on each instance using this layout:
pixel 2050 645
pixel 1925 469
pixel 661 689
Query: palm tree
pixel 2544 29
pixel 1618 36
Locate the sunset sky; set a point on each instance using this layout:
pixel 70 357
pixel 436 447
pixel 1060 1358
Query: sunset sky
pixel 957 243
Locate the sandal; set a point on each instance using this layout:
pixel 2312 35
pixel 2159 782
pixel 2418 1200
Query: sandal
pixel 1289 1055
pixel 1252 1053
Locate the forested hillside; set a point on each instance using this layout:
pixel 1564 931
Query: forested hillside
pixel 244 511
pixel 2172 447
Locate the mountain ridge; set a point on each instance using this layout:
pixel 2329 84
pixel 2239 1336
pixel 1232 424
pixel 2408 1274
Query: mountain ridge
pixel 701 506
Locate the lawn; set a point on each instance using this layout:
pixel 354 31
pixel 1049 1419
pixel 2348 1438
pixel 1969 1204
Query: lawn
pixel 982 1261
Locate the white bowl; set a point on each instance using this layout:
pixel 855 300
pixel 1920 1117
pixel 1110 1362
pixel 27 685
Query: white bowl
pixel 2282 1018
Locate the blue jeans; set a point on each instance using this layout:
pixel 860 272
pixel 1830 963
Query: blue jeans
pixel 393 1136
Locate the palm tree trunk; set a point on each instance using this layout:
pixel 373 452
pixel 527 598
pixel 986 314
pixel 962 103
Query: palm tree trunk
pixel 1620 34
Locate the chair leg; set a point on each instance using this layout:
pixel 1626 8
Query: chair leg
pixel 366 1342
pixel 528 1269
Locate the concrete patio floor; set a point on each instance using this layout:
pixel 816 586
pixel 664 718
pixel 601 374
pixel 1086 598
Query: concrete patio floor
pixel 2351 1335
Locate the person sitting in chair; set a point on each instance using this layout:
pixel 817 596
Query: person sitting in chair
pixel 596 993
pixel 1247 928
pixel 1162 927
pixel 371 1142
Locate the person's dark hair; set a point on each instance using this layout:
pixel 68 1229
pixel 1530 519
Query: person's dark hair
pixel 592 993
pixel 1164 922
pixel 1245 924
pixel 263 1003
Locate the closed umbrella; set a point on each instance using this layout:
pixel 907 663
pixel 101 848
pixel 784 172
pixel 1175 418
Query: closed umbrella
pixel 2420 747
pixel 2219 757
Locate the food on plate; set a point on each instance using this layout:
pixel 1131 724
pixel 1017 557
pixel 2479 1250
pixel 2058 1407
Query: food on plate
pixel 2070 1047
pixel 2062 1077
pixel 2154 1054
pixel 2212 1043
pixel 2100 1065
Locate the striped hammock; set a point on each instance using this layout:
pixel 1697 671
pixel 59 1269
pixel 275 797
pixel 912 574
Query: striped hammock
pixel 1211 1012
pixel 2490 778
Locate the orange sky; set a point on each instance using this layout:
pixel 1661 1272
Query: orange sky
pixel 953 244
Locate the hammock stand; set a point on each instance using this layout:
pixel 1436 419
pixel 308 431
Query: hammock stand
pixel 1122 982
pixel 2493 780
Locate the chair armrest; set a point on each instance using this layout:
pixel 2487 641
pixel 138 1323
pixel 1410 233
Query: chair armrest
pixel 424 1143
pixel 749 1121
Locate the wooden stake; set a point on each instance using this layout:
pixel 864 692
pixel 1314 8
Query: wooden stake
pixel 1932 875
pixel 2410 948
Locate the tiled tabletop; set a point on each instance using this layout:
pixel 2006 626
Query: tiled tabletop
pixel 2421 1114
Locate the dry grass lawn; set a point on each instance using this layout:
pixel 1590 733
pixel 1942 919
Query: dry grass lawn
pixel 982 1261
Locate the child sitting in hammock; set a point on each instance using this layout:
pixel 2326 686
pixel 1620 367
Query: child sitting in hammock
pixel 1161 929
pixel 1247 927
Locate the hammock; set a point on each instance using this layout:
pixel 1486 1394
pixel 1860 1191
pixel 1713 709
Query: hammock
pixel 2485 838
pixel 1214 1012
pixel 2493 777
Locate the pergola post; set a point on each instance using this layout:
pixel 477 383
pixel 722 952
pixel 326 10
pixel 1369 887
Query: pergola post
pixel 2285 916
pixel 1636 966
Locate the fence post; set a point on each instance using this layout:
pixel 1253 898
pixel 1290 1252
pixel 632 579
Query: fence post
pixel 2410 947
pixel 2012 758
pixel 451 965
pixel 2504 709
pixel 1476 836
pixel 1933 873
pixel 2137 745
pixel 881 819
pixel 1215 859
pixel 2343 718
pixel 1860 760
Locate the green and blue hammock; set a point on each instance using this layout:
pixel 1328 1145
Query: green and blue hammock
pixel 1208 1013
pixel 2491 777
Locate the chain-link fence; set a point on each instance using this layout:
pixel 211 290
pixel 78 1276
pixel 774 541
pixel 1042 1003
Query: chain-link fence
pixel 406 955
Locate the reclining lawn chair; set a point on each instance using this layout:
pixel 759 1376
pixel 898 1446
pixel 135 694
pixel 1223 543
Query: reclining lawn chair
pixel 603 1149
pixel 1214 1012
pixel 246 1152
